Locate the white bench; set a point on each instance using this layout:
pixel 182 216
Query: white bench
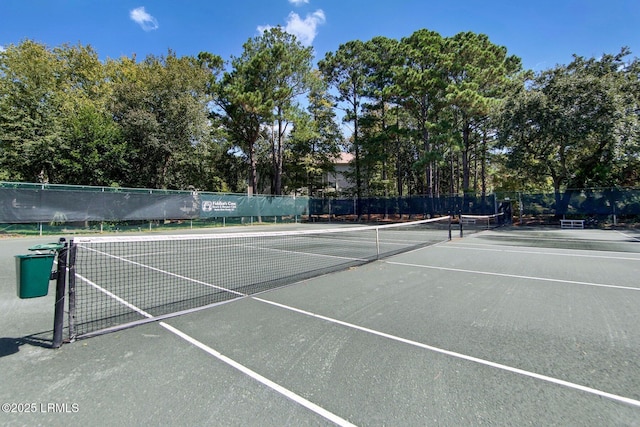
pixel 572 223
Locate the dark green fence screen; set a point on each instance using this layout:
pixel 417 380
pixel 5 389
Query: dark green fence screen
pixel 29 203
pixel 43 203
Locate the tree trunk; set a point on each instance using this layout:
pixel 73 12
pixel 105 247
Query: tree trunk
pixel 466 149
pixel 253 170
pixel 398 160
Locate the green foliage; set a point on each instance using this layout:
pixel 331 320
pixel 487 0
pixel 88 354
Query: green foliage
pixel 315 141
pixel 426 114
pixel 261 88
pixel 30 112
pixel 347 71
pixel 576 125
pixel 160 106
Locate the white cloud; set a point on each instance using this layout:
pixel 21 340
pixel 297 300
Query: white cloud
pixel 142 18
pixel 305 29
pixel 263 28
pixel 298 2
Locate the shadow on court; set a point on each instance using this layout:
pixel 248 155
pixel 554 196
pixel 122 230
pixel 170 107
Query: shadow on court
pixel 10 346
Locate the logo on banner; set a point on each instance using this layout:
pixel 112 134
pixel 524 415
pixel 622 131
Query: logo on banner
pixel 218 206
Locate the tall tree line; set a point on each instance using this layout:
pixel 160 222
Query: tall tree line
pixel 66 117
pixel 425 115
pixel 421 110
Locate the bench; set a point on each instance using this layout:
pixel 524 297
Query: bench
pixel 572 223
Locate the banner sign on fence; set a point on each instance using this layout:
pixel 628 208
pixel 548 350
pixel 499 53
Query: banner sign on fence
pixel 232 205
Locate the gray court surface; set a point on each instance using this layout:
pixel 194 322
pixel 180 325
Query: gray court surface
pixel 503 327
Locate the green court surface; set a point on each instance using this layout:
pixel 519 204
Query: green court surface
pixel 503 327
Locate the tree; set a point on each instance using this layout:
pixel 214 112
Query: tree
pixel 30 112
pixel 571 124
pixel 478 73
pixel 378 120
pixel 421 83
pixel 93 151
pixel 262 88
pixel 315 139
pixel 161 106
pixel 347 71
pixel 286 67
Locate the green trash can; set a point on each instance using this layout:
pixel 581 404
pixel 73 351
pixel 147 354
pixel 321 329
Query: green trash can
pixel 33 273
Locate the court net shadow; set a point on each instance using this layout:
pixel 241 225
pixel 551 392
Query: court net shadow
pixel 9 346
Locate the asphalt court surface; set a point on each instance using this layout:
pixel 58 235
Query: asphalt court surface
pixel 504 327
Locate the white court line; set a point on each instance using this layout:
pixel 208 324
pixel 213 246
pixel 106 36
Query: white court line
pixel 115 297
pixel 491 248
pixel 265 381
pixel 637 239
pixel 514 276
pixel 460 355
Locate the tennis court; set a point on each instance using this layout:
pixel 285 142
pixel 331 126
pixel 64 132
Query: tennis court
pixel 509 326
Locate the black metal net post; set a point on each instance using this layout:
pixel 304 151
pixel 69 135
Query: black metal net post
pixel 61 283
pixel 73 249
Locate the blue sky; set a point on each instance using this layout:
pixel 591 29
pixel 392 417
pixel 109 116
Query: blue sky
pixel 543 33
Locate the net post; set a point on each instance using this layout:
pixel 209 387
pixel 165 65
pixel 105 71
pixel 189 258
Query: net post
pixel 61 283
pixel 460 222
pixel 449 225
pixel 73 248
pixel 377 242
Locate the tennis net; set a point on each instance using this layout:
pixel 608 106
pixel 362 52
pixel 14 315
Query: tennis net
pixel 122 281
pixel 481 222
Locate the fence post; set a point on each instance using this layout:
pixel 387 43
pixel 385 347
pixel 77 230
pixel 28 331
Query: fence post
pixel 520 207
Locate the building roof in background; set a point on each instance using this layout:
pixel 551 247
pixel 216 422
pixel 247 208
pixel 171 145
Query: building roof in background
pixel 343 159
